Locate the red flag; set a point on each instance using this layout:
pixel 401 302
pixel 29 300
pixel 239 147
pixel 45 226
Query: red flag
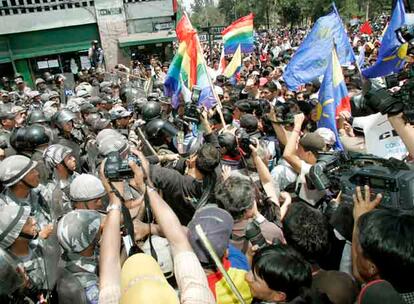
pixel 366 28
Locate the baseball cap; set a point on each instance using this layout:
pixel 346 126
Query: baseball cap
pixel 327 134
pixel 217 224
pixel 142 281
pixel 119 112
pixel 312 142
pixel 163 249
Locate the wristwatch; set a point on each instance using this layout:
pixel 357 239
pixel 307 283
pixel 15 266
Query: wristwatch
pixel 113 207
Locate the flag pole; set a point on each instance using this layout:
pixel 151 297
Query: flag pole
pixel 203 62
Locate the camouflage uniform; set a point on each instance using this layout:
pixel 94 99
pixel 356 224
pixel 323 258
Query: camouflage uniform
pixel 13 219
pixel 34 265
pixel 78 282
pixel 35 202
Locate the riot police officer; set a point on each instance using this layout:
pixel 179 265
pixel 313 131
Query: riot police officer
pixel 78 233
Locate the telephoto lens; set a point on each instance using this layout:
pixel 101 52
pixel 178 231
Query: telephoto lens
pixel 254 235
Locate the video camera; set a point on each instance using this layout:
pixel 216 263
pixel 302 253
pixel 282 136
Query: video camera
pixel 344 172
pixel 376 99
pixel 191 110
pixel 117 169
pixel 244 140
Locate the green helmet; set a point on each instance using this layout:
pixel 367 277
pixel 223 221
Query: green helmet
pixel 12 220
pixel 14 168
pixel 78 229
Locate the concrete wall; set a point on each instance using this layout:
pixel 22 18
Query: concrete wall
pixel 46 20
pixel 145 25
pixel 148 9
pixel 112 25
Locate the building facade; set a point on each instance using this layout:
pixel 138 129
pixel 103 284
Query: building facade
pixel 54 35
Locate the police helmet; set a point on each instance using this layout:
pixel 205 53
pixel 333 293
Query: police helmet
pixel 158 127
pixel 151 110
pixel 36 135
pixel 13 218
pixel 36 117
pixel 64 116
pixel 86 187
pixel 55 154
pixel 78 229
pixel 14 168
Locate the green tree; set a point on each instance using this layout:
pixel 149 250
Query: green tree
pixel 207 16
pixel 234 9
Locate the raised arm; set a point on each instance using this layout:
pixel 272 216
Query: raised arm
pixel 404 130
pixel 290 153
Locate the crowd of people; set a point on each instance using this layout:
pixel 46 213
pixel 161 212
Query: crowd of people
pixel 107 193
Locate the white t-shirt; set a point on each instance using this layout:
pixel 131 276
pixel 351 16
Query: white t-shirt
pixel 309 196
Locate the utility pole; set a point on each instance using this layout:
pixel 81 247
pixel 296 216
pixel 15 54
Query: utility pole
pixel 367 16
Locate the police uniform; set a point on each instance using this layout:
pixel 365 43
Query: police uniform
pixel 78 282
pixel 13 219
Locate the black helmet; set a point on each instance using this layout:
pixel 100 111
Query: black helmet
pixel 151 110
pixel 18 139
pixel 36 117
pixel 156 129
pixel 36 135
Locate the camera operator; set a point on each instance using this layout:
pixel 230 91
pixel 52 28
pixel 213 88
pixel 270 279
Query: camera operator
pixel 191 280
pixel 301 154
pixel 184 192
pixel 382 244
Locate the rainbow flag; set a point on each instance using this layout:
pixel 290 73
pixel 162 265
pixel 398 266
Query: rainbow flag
pixel 188 67
pixel 240 32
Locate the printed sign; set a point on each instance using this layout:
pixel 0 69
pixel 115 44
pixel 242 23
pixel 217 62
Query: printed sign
pixel 110 11
pixel 381 139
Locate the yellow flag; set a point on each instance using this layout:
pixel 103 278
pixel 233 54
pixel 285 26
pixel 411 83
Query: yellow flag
pixel 235 62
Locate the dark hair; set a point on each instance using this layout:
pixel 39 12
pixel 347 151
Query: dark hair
pixel 208 158
pixel 235 195
pixel 270 86
pixel 307 230
pixel 386 238
pixel 283 269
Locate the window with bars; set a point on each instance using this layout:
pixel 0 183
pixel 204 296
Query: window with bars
pixel 18 7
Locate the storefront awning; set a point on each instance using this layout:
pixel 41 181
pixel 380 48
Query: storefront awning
pixel 47 42
pixel 147 38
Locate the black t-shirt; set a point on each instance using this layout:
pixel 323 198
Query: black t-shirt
pixel 181 192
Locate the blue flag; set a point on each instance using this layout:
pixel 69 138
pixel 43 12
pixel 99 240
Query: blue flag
pixel 391 53
pixel 333 97
pixel 311 58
